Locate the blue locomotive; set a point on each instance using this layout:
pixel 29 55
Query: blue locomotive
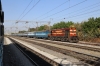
pixel 31 34
pixel 42 34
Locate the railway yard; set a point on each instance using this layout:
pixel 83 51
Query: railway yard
pixel 23 51
pixel 50 33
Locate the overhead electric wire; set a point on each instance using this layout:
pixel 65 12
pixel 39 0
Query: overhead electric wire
pixel 29 10
pixel 54 8
pixel 84 13
pixel 66 9
pixel 84 8
pixel 25 8
pixel 87 15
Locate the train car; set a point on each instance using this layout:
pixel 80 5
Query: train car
pixel 1 34
pixel 24 34
pixel 64 34
pixel 15 34
pixel 42 34
pixel 31 34
pixel 19 34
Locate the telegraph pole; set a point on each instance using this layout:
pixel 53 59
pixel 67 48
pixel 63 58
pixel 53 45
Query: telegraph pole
pixel 16 27
pixel 49 25
pixel 37 26
pixel 27 25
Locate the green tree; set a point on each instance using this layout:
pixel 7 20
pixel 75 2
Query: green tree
pixel 91 27
pixel 43 27
pixel 40 28
pixel 62 24
pixel 22 31
pixel 31 29
pixel 79 30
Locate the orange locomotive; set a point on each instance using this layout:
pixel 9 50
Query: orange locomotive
pixel 64 34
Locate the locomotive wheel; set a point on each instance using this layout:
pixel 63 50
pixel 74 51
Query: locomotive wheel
pixel 70 40
pixel 76 40
pixel 53 38
pixel 66 39
pixel 62 39
pixel 50 38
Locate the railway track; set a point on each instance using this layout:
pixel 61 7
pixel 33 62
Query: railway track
pixel 80 42
pixel 87 43
pixel 70 45
pixel 95 61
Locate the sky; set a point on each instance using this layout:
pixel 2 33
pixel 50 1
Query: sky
pixel 29 13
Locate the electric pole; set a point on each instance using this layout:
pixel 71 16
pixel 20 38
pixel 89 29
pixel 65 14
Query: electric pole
pixel 49 25
pixel 37 26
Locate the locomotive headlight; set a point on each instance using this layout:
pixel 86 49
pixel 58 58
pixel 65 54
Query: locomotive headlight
pixel 74 30
pixel 71 30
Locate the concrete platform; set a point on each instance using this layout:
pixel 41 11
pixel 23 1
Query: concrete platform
pixel 59 58
pixel 13 56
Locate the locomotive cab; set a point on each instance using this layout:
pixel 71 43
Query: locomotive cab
pixel 73 35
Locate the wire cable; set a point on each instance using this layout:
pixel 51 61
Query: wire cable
pixel 83 9
pixel 66 9
pixel 84 13
pixel 87 15
pixel 25 8
pixel 29 10
pixel 54 8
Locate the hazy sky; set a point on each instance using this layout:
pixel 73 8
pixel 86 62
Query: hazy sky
pixel 44 11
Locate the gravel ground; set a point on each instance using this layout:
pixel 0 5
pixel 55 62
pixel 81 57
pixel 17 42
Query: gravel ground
pixel 12 56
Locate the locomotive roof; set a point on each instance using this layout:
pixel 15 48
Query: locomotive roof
pixel 64 28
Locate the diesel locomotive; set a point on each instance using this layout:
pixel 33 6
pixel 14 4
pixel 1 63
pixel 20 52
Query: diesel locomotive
pixel 64 34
